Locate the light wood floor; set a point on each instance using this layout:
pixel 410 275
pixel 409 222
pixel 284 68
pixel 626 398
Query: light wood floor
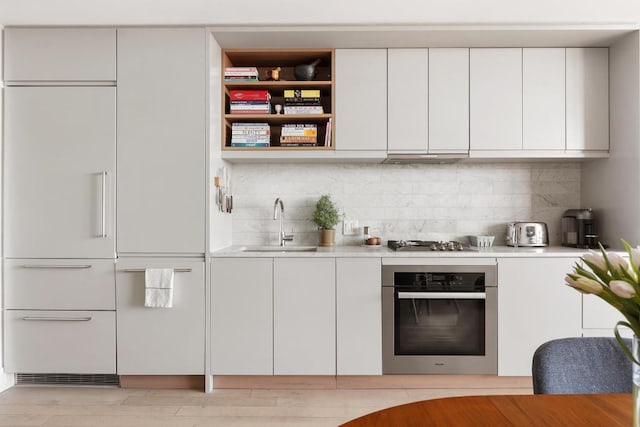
pixel 106 406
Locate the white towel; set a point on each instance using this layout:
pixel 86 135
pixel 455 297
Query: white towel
pixel 158 287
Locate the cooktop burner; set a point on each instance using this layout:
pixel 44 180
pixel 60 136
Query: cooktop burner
pixel 427 245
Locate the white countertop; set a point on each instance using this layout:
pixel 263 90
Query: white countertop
pixel 384 252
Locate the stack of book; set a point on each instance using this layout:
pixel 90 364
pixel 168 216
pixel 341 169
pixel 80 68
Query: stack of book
pixel 299 135
pixel 241 74
pixel 249 102
pixel 302 101
pixel 250 135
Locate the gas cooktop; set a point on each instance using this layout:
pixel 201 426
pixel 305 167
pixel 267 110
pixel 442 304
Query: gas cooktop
pixel 427 245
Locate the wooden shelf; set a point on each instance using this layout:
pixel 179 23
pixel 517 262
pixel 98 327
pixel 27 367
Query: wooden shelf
pixel 265 60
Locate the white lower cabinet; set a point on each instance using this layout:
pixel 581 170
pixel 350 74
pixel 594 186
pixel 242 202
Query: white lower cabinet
pixel 71 342
pixel 304 316
pixel 600 318
pixel 242 316
pixel 534 306
pixel 156 341
pixel 358 316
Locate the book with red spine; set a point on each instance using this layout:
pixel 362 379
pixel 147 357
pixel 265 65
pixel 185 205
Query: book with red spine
pixel 249 95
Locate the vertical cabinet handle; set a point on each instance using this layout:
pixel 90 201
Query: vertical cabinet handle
pixel 103 230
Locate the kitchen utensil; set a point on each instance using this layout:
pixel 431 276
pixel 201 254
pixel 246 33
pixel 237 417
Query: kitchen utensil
pixel 527 234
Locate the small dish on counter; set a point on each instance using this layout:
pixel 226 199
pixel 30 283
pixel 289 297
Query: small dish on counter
pixel 372 246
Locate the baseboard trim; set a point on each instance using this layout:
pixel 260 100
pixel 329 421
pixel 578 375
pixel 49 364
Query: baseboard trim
pixel 368 381
pixel 191 382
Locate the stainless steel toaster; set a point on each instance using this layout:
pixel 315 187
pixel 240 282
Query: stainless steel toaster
pixel 527 234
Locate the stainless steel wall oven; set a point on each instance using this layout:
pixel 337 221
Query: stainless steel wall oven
pixel 440 319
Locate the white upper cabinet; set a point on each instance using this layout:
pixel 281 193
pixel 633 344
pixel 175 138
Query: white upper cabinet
pixel 161 140
pixel 408 100
pixel 59 164
pixel 361 99
pixel 60 54
pixel 449 100
pixel 587 99
pixel 495 99
pixel 543 99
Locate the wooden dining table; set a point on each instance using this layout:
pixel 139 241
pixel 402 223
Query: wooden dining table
pixel 507 410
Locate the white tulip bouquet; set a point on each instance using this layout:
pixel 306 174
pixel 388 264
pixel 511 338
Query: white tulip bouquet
pixel 615 280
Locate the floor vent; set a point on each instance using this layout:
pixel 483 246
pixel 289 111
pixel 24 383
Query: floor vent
pixel 68 379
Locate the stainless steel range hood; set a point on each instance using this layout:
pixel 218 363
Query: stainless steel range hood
pixel 425 158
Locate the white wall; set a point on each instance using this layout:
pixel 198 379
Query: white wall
pixel 296 12
pixel 612 187
pixel 439 202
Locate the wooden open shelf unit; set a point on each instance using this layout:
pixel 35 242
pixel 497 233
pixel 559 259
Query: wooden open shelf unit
pixel 265 60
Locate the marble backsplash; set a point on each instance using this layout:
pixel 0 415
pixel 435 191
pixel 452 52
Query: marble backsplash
pixel 431 202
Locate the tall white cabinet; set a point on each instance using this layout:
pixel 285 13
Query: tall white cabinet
pixel 161 196
pixel 161 140
pixel 59 200
pixel 59 172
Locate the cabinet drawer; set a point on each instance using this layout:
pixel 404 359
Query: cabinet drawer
pixel 166 341
pixel 71 342
pixel 85 284
pixel 60 54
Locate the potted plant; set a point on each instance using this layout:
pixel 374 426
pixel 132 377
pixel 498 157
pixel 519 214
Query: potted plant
pixel 326 216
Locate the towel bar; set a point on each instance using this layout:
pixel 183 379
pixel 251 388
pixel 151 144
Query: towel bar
pixel 142 270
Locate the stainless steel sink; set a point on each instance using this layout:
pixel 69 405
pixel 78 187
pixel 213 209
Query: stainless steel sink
pixel 280 249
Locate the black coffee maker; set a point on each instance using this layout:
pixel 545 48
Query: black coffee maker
pixel 579 229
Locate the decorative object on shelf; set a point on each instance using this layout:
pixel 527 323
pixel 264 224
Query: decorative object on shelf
pixel 326 216
pixel 274 74
pixel 306 71
pixel 616 281
pixel 278 108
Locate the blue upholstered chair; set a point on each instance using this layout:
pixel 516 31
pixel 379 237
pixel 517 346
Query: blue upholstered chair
pixel 581 365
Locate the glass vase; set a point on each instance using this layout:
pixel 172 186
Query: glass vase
pixel 636 381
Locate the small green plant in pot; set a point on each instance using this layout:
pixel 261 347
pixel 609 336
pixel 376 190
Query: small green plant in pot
pixel 326 216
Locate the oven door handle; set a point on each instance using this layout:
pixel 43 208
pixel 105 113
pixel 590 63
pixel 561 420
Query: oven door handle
pixel 442 295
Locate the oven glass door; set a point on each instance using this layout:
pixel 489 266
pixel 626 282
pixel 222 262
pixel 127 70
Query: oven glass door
pixel 439 314
pixel 429 324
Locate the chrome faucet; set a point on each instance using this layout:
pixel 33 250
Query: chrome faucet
pixel 282 236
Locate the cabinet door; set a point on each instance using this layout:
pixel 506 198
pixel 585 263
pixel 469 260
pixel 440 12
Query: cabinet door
pixel 534 306
pixel 60 54
pixel 448 100
pixel 69 342
pixel 408 98
pixel 304 316
pixel 543 99
pixel 588 99
pixel 361 99
pixel 59 163
pixel 359 316
pixel 66 284
pixel 495 99
pixel 161 140
pixel 157 341
pixel 597 314
pixel 242 316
